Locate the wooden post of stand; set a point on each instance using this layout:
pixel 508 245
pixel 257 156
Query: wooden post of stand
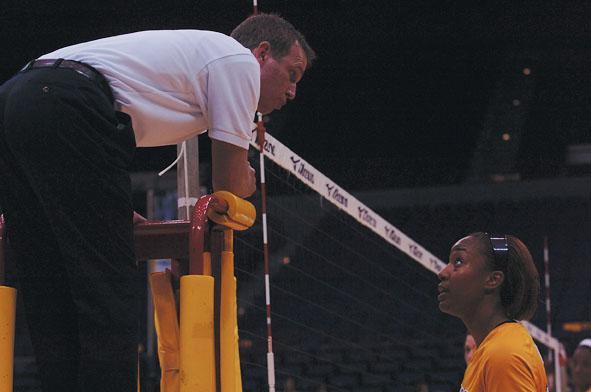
pixel 151 371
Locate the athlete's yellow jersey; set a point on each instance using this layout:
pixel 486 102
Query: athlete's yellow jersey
pixel 506 361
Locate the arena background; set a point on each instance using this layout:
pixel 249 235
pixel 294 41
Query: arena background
pixel 441 118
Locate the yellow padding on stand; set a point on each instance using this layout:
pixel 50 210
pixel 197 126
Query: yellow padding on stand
pixel 167 329
pixel 7 317
pixel 241 213
pixel 207 263
pixel 231 379
pixel 197 335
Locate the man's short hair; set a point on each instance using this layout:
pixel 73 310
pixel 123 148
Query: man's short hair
pixel 274 29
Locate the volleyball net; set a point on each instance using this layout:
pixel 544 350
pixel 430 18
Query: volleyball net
pixel 353 298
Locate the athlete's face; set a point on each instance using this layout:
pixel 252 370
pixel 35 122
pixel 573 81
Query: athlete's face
pixel 462 286
pixel 581 368
pixel 279 77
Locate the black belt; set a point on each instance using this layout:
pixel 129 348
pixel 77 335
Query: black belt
pixel 83 69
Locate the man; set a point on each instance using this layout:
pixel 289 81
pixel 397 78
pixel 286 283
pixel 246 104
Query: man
pixel 581 366
pixel 69 125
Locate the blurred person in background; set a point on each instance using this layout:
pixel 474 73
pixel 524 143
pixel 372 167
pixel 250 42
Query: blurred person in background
pixel 290 385
pixel 469 347
pixel 581 367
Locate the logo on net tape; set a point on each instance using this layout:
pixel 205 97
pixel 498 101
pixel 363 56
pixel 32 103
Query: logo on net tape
pixel 300 168
pixel 334 194
pixel 435 264
pixel 365 216
pixel 269 147
pixel 392 235
pixel 415 251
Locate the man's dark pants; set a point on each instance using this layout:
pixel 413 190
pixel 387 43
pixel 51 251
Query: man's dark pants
pixel 66 194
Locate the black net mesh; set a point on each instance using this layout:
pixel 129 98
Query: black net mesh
pixel 349 311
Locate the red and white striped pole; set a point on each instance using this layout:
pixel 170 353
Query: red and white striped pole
pixel 270 356
pixel 255 7
pixel 559 354
pixel 261 140
pixel 547 289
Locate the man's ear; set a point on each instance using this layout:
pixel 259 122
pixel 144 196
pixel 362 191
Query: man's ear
pixel 494 280
pixel 262 52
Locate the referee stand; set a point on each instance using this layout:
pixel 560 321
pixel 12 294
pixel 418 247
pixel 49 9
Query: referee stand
pixel 198 334
pixel 194 302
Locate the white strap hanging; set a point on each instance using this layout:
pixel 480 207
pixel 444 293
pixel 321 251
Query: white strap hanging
pixel 186 201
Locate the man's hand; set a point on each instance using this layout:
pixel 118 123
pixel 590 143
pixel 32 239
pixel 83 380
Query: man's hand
pixel 231 170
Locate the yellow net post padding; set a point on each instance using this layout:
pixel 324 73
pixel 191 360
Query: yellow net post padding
pixel 197 350
pixel 229 358
pixel 7 321
pixel 167 330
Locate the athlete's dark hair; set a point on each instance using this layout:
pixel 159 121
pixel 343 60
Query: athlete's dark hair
pixel 521 287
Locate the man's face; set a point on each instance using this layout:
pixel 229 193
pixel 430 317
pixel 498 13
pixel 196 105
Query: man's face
pixel 581 368
pixel 279 78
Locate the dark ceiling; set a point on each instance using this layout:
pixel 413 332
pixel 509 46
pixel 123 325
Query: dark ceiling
pixel 400 90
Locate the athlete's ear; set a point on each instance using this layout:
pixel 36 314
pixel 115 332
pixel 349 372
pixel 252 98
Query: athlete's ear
pixel 494 280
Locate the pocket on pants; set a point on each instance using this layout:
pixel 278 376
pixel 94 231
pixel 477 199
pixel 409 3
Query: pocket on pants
pixel 124 138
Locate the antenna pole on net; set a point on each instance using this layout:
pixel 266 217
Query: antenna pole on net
pixel 555 359
pixel 547 290
pixel 255 8
pixel 270 355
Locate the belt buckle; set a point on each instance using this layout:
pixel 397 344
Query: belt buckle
pixel 81 72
